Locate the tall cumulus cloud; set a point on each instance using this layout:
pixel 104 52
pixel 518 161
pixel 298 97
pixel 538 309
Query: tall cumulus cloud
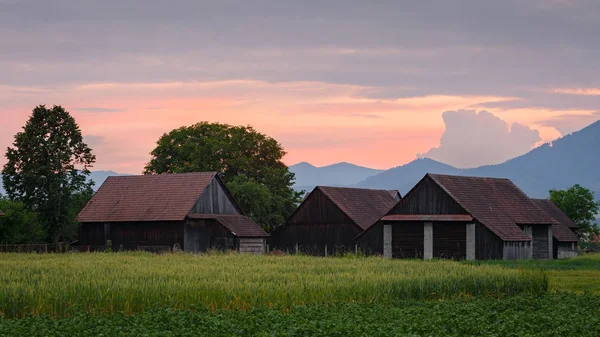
pixel 475 138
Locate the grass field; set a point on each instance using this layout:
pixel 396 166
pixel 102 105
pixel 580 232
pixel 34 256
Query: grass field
pixel 139 294
pixel 60 284
pixel 578 275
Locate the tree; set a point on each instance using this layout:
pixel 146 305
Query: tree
pixel 249 162
pixel 18 225
pixel 579 205
pixel 48 167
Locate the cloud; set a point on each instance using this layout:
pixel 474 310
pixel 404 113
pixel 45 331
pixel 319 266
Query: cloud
pixel 579 91
pixel 568 123
pixel 475 138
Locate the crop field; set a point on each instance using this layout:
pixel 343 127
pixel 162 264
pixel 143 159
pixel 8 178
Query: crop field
pixel 139 294
pixel 60 284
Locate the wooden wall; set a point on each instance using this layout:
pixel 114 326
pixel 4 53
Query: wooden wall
pixel 316 223
pixel 215 200
pixel 204 234
pixel 407 239
pixel 563 250
pixel 130 235
pixel 540 242
pixel 517 250
pixel 450 240
pixel 488 246
pixel 427 198
pixel 252 245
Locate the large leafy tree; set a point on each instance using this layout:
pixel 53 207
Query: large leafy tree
pixel 47 168
pixel 579 204
pixel 249 162
pixel 18 225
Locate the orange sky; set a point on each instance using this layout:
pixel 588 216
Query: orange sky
pixel 316 122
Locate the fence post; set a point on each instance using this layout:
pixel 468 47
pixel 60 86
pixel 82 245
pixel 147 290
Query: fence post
pixel 267 248
pixel 325 250
pixel 296 247
pixel 356 249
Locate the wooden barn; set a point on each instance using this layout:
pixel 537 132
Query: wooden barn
pixel 464 218
pixel 192 211
pixel 331 217
pixel 564 239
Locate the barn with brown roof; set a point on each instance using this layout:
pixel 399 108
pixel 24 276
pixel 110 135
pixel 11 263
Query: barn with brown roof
pixel 193 211
pixel 465 218
pixel 332 217
pixel 564 239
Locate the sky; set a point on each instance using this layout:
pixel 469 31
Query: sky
pixel 374 83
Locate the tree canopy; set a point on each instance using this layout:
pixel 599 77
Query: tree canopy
pixel 47 168
pixel 579 205
pixel 18 225
pixel 249 162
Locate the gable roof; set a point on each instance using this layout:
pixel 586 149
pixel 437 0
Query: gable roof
pixel 162 197
pixel 363 206
pixel 238 225
pixel 395 193
pixel 561 231
pixel 496 202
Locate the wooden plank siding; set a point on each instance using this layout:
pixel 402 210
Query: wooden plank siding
pixel 129 235
pixel 450 240
pixel 252 245
pixel 215 200
pixel 488 246
pixel 205 234
pixel 407 240
pixel 540 242
pixel 316 223
pixel 427 198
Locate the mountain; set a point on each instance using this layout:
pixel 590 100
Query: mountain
pixel 404 177
pixel 97 176
pixel 572 159
pixel 340 174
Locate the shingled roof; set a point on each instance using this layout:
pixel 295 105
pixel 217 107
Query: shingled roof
pixel 238 225
pixel 363 206
pixel 561 231
pixel 163 197
pixel 495 202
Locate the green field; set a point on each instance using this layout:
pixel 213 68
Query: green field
pixel 138 294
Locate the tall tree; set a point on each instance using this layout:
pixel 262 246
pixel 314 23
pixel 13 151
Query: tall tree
pixel 579 204
pixel 249 162
pixel 47 168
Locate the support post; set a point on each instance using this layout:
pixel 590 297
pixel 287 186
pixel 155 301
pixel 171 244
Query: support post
pixel 528 229
pixel 428 240
pixel 550 242
pixel 387 241
pixel 470 241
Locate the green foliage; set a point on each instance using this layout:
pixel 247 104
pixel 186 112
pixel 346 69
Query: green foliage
pixel 135 282
pixel 243 157
pixel 579 204
pixel 549 315
pixel 47 167
pixel 18 225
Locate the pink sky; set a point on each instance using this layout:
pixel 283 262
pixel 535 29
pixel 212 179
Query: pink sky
pixel 316 122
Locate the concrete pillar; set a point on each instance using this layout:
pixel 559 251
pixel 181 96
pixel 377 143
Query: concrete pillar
pixel 387 241
pixel 550 242
pixel 428 241
pixel 470 241
pixel 528 229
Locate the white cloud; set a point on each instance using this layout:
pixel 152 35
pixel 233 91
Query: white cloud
pixel 475 138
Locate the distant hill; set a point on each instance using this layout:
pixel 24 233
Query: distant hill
pixel 97 176
pixel 572 159
pixel 340 174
